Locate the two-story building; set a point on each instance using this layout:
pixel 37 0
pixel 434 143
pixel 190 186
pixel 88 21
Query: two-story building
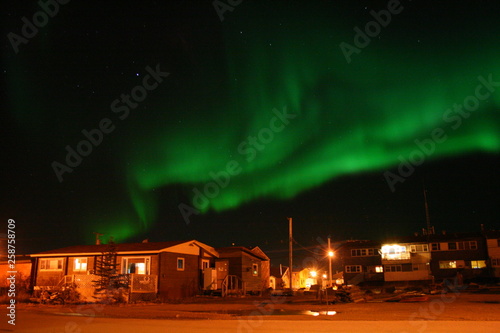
pixel 458 255
pixel 361 261
pixel 406 261
pixel 493 248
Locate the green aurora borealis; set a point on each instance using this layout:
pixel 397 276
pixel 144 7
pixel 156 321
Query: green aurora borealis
pixel 350 118
pixel 227 82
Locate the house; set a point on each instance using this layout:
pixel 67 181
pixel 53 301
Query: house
pixel 454 255
pixel 22 268
pixel 304 278
pixel 167 270
pixel 360 261
pixel 249 269
pixel 403 261
pixel 279 278
pixel 265 266
pixel 493 248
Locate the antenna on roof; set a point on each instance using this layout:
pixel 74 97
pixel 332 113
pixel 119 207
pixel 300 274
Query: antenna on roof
pixel 97 239
pixel 427 219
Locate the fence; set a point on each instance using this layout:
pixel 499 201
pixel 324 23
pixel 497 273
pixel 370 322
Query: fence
pixel 140 283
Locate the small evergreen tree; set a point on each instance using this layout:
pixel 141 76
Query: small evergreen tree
pixel 110 282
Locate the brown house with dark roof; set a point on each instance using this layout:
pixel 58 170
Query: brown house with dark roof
pixel 167 270
pixel 250 265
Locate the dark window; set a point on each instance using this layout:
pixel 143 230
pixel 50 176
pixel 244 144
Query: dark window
pixel 180 264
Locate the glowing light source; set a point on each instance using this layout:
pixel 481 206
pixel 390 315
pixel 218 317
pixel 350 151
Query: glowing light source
pixel 395 252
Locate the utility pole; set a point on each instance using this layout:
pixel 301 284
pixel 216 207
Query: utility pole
pixel 97 239
pixel 330 255
pixel 290 240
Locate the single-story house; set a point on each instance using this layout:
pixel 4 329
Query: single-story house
pixel 167 270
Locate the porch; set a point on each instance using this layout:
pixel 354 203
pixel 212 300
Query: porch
pixel 138 285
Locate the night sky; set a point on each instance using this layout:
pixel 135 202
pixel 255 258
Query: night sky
pixel 159 120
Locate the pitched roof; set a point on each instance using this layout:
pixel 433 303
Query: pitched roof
pixel 235 249
pixel 277 272
pixel 119 248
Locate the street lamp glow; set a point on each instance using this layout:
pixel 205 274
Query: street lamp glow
pixel 314 273
pixel 330 253
pixel 324 276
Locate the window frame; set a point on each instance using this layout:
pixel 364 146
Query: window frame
pixel 179 260
pixel 80 270
pixel 43 262
pixel 349 269
pixel 255 269
pixel 477 264
pixel 414 248
pixel 393 268
pixel 364 252
pixel 125 264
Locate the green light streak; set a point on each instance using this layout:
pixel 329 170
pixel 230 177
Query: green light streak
pixel 351 118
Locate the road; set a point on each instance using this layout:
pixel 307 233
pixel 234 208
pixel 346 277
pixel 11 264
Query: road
pixel 50 323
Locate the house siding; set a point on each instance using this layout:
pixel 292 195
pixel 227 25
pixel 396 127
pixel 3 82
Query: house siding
pixel 176 284
pixel 367 263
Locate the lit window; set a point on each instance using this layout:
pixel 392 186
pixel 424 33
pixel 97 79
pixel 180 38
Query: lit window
pixel 255 269
pixel 477 264
pixel 448 264
pixel 395 252
pixel 80 265
pixel 180 264
pixel 379 269
pixel 135 265
pixel 51 264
